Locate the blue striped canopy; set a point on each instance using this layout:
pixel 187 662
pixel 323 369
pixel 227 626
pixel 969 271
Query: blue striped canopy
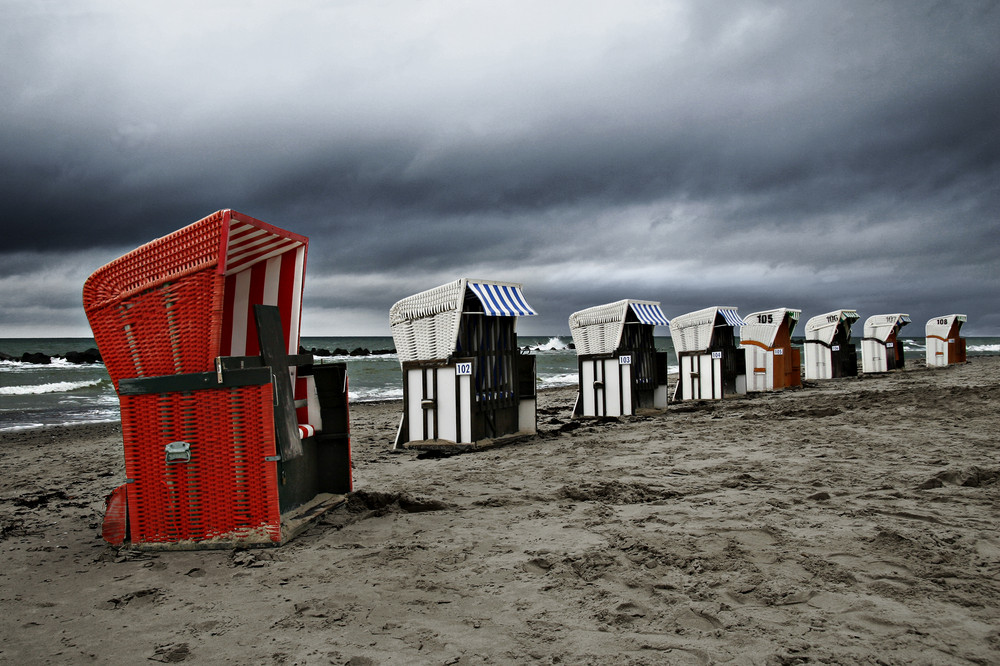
pixel 649 313
pixel 731 316
pixel 504 300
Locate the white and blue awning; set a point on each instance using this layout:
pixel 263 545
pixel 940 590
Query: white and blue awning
pixel 501 300
pixel 731 316
pixel 649 313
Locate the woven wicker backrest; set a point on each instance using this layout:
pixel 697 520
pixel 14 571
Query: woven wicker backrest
pixel 425 326
pixel 945 326
pixel 824 327
pixel 692 332
pixel 763 326
pixel 598 330
pixel 176 303
pixel 882 326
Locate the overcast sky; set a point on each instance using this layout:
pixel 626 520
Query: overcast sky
pixel 815 155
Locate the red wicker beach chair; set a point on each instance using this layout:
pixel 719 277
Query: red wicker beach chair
pixel 231 437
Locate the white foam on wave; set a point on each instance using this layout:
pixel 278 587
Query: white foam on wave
pixel 984 348
pixel 33 426
pixel 554 344
pixel 567 379
pixel 55 361
pixel 53 387
pixel 375 394
pixel 369 357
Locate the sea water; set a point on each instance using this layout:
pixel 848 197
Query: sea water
pixel 36 395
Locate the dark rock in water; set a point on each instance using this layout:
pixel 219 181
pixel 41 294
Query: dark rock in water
pixel 340 351
pixel 571 345
pixel 6 357
pixel 321 351
pixel 382 352
pixel 302 350
pixel 36 357
pixel 87 356
pixel 360 351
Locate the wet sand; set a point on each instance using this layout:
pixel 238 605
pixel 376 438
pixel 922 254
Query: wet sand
pixel 853 521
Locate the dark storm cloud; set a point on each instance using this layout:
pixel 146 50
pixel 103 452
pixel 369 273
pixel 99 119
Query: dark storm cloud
pixel 695 153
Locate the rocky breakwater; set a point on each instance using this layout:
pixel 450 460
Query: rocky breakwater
pixel 358 351
pixel 87 356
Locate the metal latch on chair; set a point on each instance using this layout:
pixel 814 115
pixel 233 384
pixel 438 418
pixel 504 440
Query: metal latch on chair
pixel 178 452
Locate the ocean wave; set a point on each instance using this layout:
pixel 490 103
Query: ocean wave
pixel 567 379
pixel 31 426
pixel 371 395
pixel 54 387
pixel 554 344
pixel 984 348
pixel 347 359
pixel 55 362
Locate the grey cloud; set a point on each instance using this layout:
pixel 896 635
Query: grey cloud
pixel 731 153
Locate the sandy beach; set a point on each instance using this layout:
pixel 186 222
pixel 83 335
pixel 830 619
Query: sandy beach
pixel 852 521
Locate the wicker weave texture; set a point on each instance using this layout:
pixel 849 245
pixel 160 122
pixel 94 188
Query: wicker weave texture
pixel 763 326
pixel 425 325
pixel 176 303
pixel 193 248
pixel 942 326
pixel 227 490
pixel 882 326
pixel 692 332
pixel 598 330
pixel 824 327
pixel 427 339
pixel 157 310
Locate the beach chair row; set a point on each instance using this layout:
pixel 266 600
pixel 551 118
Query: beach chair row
pixel 232 437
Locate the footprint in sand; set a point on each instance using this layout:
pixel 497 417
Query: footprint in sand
pixel 632 609
pixel 171 653
pixel 753 538
pixel 873 569
pixel 693 620
pixel 139 598
pixel 538 565
pixel 833 603
pixel 988 549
